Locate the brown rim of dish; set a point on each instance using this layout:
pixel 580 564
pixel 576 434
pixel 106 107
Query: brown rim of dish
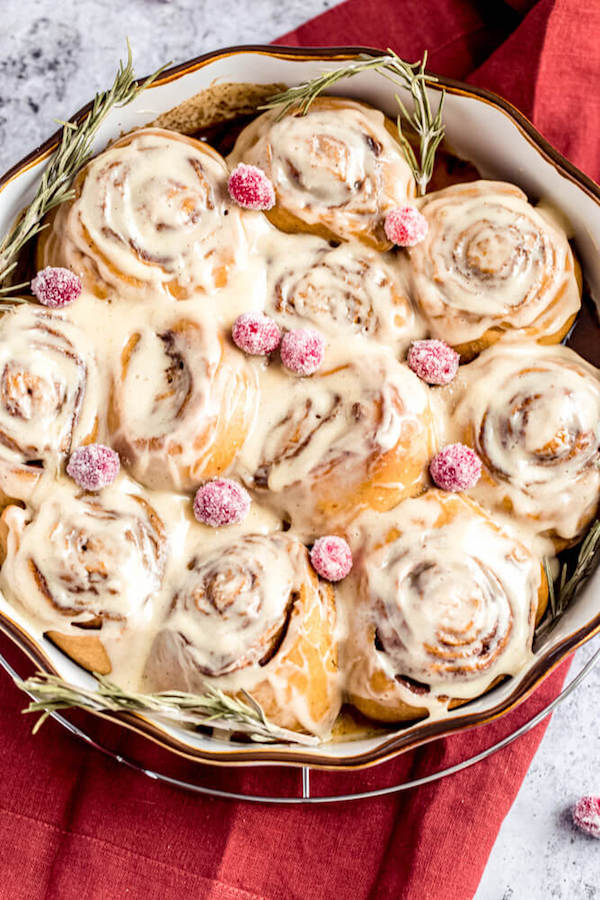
pixel 421 733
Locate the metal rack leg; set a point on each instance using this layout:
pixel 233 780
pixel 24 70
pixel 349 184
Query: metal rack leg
pixel 305 782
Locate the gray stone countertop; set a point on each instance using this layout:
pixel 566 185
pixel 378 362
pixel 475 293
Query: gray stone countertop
pixel 53 57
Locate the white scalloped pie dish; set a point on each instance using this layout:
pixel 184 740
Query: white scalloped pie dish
pixel 503 145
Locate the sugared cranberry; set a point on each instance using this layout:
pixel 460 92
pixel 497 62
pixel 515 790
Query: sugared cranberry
pixel 302 351
pixel 405 226
pixel 56 287
pixel 433 361
pixel 455 468
pixel 221 502
pixel 586 815
pixel 250 188
pixel 256 333
pixel 93 467
pixel 331 557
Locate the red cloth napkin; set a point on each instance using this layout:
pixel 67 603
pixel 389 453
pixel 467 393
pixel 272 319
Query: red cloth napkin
pixel 75 824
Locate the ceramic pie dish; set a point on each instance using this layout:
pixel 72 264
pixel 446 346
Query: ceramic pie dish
pixel 477 125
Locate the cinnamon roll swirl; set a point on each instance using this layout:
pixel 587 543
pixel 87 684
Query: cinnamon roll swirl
pixel 336 171
pixel 252 615
pixel 151 213
pixel 181 406
pixel 446 603
pixel 357 435
pixel 78 562
pixel 533 415
pixel 492 263
pixel 49 396
pixel 345 290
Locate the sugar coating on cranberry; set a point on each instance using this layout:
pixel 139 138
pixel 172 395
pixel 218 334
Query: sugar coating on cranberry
pixel 302 350
pixel 455 468
pixel 433 361
pixel 586 815
pixel 331 557
pixel 56 287
pixel 250 188
pixel 256 333
pixel 94 466
pixel 405 226
pixel 221 502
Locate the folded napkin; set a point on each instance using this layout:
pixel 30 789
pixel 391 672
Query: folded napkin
pixel 75 824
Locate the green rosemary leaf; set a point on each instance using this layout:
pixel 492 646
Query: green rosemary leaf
pixel 213 708
pixel 563 590
pixel 73 151
pixel 428 126
pixel 551 591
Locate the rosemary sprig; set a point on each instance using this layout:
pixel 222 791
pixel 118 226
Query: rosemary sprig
pixel 562 591
pixel 427 124
pixel 73 151
pixel 213 708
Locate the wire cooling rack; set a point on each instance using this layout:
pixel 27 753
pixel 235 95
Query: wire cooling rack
pixel 298 788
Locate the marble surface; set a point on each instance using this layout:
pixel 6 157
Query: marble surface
pixel 52 59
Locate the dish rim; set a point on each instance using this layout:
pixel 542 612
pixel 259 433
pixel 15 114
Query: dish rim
pixel 399 741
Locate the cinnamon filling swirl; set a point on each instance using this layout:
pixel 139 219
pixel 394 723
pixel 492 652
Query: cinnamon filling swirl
pixel 446 601
pixel 250 614
pixel 151 213
pixel 336 170
pixel 533 414
pixel 84 557
pixel 181 406
pixel 49 396
pixel 492 263
pixel 345 290
pixel 238 604
pixel 359 435
pixel 466 606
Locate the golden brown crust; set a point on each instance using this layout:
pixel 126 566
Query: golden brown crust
pixel 471 349
pixel 216 104
pixel 315 647
pixel 87 650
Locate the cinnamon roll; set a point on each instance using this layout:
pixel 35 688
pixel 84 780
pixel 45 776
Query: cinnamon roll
pixel 345 290
pixel 181 406
pixel 533 415
pixel 356 435
pixel 446 604
pixel 336 171
pixel 492 263
pixel 49 396
pixel 80 562
pixel 252 615
pixel 151 213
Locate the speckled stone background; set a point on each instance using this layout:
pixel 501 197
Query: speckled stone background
pixel 54 54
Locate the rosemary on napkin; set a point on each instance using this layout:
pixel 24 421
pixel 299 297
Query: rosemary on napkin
pixel 564 589
pixel 213 708
pixel 73 151
pixel 427 124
